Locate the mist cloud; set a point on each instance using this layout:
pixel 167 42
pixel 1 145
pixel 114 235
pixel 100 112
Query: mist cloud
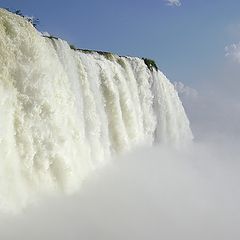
pixel 154 193
pixel 233 51
pixel 173 3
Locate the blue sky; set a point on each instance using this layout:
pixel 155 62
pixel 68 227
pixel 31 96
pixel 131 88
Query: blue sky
pixel 187 41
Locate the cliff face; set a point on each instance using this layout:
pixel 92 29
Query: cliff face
pixel 64 112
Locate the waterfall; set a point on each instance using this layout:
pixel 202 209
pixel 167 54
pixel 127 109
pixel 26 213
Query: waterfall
pixel 63 112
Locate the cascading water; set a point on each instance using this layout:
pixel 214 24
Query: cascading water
pixel 64 112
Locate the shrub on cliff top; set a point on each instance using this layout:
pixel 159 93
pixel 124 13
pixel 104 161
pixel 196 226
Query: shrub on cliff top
pixel 150 64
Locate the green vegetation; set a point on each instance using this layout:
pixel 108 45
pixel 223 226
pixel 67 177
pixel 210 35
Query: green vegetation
pixel 110 56
pixel 150 64
pixel 107 55
pixel 86 50
pixel 72 47
pixel 34 21
pixel 51 37
pixel 121 62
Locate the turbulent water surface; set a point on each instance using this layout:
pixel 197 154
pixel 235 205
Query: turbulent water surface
pixel 64 112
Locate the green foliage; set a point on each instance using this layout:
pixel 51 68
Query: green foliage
pixel 110 56
pixel 72 47
pixel 86 50
pixel 107 55
pixel 121 62
pixel 82 50
pixel 150 64
pixel 51 37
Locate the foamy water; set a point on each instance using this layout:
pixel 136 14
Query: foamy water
pixel 65 112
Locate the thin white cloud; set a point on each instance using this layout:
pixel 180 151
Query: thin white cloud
pixel 186 91
pixel 173 3
pixel 233 51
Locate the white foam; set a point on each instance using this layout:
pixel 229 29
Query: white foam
pixel 65 112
